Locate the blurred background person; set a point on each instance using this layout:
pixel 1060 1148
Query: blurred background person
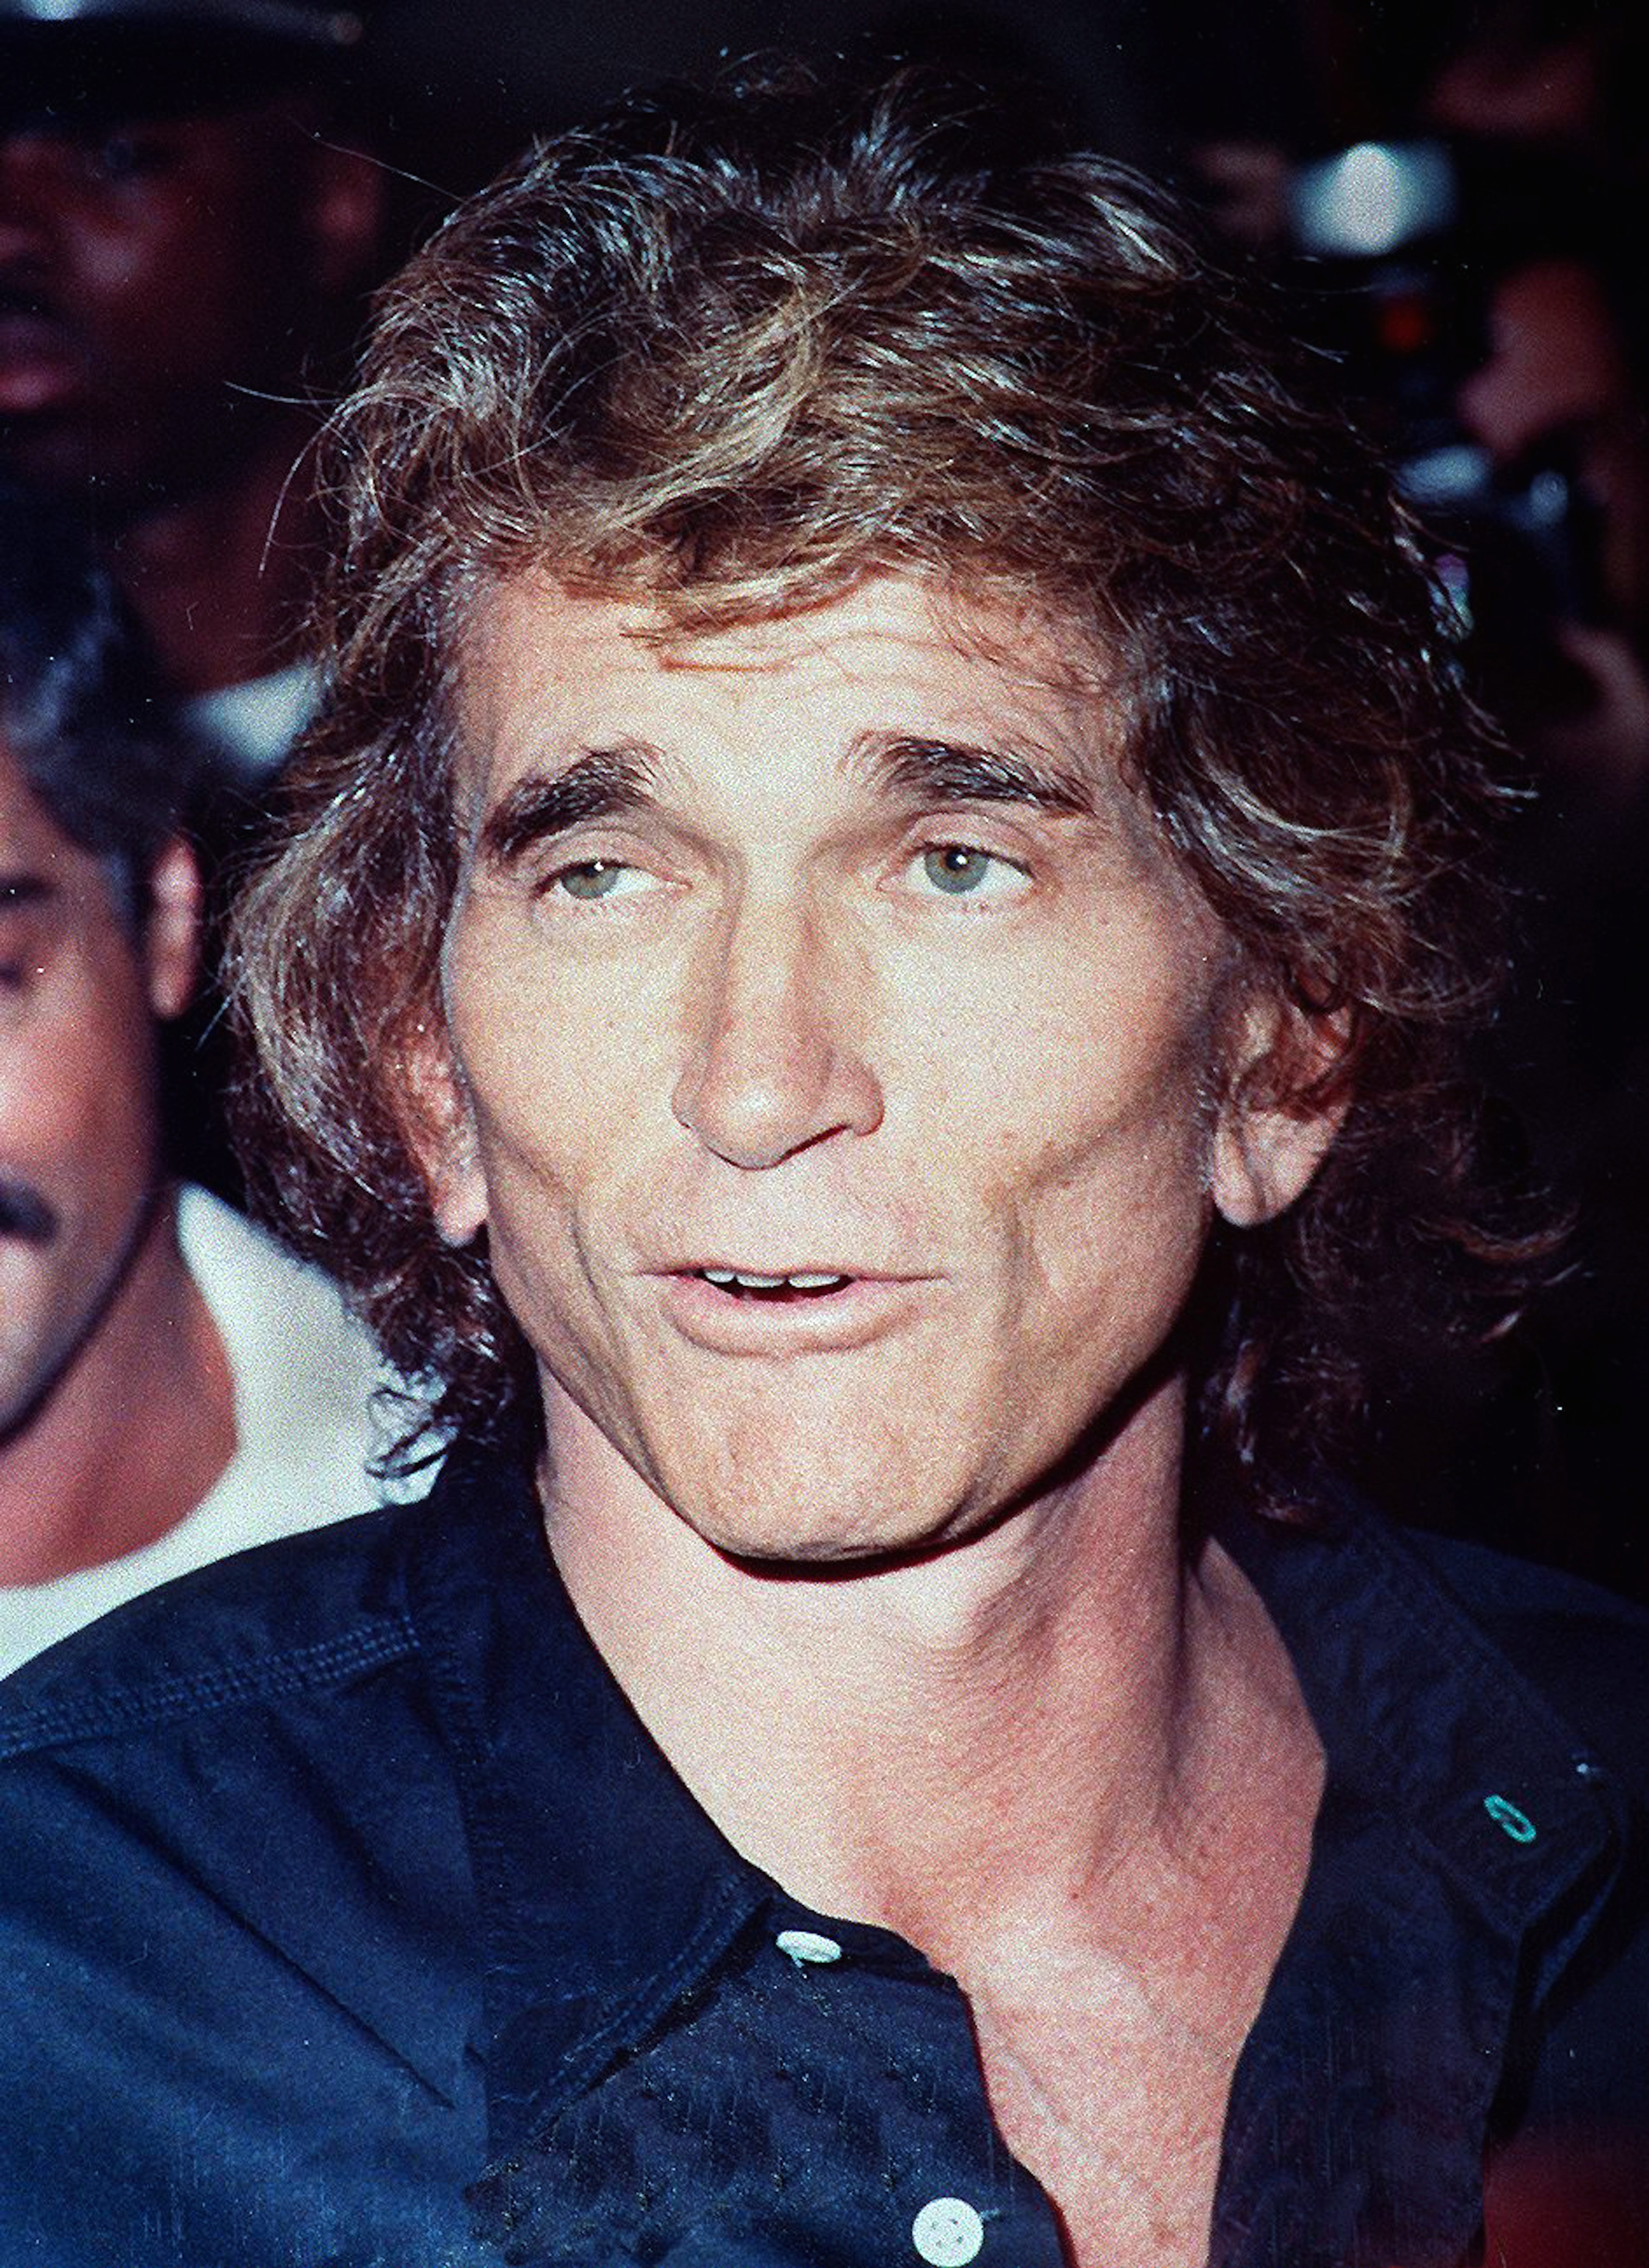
pixel 188 223
pixel 173 1387
pixel 1457 197
pixel 186 227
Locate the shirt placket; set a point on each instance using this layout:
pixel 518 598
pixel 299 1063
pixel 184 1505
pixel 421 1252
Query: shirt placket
pixel 814 2098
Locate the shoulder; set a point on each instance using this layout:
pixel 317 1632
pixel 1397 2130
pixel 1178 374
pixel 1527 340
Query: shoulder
pixel 316 1407
pixel 251 1755
pixel 1447 1648
pixel 1575 2101
pixel 292 1616
pixel 256 1289
pixel 1585 1650
pixel 269 1930
pixel 322 1611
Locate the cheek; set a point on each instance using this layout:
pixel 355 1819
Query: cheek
pixel 548 1120
pixel 36 1119
pixel 562 1061
pixel 542 1090
pixel 168 293
pixel 1095 1076
pixel 1099 1171
pixel 130 275
pixel 75 1105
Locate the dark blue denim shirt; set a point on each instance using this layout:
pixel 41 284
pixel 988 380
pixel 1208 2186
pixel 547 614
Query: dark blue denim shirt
pixel 350 1920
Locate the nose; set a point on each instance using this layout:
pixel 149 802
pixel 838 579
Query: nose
pixel 774 1060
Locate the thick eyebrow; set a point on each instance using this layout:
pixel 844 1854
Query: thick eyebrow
pixel 540 805
pixel 603 783
pixel 956 771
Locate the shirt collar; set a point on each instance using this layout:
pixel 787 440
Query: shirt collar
pixel 1467 1845
pixel 604 1888
pixel 605 1891
pixel 1422 1715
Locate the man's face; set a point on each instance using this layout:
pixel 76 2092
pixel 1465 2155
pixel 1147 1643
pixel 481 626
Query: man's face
pixel 148 269
pixel 1556 363
pixel 840 1057
pixel 78 1131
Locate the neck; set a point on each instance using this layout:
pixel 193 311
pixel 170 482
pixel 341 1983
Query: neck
pixel 132 1435
pixel 957 1749
pixel 220 576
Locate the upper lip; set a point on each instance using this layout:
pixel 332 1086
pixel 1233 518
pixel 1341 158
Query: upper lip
pixel 767 1266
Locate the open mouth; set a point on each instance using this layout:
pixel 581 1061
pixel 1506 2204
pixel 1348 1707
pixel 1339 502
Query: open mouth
pixel 742 1284
pixel 727 1310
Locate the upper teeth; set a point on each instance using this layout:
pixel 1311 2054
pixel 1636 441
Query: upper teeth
pixel 806 1280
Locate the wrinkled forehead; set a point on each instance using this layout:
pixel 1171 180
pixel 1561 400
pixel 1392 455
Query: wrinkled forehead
pixel 543 664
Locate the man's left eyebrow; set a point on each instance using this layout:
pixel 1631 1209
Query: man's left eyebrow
pixel 928 770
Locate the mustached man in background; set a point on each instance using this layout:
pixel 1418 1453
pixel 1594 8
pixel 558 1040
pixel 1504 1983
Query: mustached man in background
pixel 172 1387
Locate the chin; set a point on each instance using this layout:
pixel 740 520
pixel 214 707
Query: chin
pixel 791 1522
pixel 824 1552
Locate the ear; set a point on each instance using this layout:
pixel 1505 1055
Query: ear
pixel 172 930
pixel 439 1125
pixel 1284 1103
pixel 345 213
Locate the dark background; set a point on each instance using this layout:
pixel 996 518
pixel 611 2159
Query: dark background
pixel 471 80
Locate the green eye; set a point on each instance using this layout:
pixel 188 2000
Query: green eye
pixel 597 877
pixel 956 870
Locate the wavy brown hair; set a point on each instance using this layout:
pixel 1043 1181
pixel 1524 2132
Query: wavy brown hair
pixel 734 350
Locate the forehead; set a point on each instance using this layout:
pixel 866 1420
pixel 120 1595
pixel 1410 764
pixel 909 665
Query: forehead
pixel 544 671
pixel 28 833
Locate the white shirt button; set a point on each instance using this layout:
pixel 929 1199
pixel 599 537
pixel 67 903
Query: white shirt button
pixel 948 2233
pixel 808 1945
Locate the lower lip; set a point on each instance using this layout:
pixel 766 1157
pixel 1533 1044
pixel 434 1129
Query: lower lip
pixel 37 368
pixel 823 1322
